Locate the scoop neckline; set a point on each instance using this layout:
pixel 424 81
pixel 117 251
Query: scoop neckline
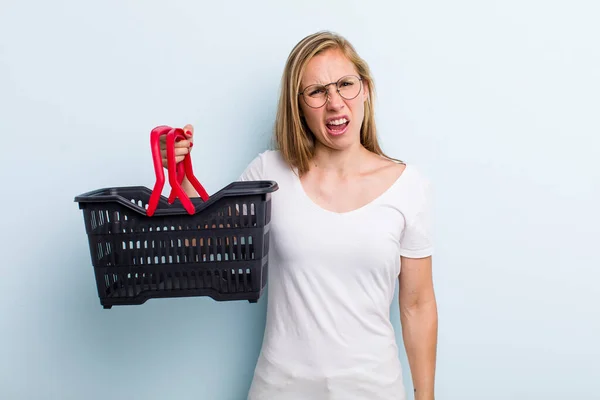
pixel 365 206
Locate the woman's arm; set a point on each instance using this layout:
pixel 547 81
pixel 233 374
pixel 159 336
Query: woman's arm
pixel 418 316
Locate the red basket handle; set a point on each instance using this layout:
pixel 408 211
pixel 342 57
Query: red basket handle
pixel 176 172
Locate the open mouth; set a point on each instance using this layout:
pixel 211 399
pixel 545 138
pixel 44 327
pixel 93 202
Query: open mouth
pixel 337 126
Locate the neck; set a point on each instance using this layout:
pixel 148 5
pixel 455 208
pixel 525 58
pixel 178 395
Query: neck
pixel 340 162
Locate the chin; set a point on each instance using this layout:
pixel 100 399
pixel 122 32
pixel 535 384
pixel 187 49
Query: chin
pixel 345 140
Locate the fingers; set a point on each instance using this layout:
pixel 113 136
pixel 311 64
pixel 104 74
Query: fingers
pixel 188 128
pixel 179 152
pixel 178 159
pixel 182 147
pixel 183 143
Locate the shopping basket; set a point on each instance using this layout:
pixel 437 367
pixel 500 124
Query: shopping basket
pixel 144 245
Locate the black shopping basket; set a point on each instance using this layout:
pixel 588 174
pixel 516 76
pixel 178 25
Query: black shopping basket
pixel 218 249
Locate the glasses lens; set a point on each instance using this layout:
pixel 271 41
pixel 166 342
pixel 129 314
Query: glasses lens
pixel 349 87
pixel 315 95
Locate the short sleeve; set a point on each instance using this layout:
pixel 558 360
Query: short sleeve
pixel 255 170
pixel 417 238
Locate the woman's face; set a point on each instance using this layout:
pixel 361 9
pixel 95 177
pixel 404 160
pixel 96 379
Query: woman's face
pixel 338 122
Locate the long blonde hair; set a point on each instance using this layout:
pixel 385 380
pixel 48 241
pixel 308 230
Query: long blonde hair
pixel 293 138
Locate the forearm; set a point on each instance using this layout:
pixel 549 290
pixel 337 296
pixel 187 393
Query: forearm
pixel 419 331
pixel 188 188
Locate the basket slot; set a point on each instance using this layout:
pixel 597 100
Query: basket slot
pixel 237 287
pixel 113 221
pixel 168 281
pixel 228 281
pixel 245 280
pixel 266 243
pixel 190 251
pixel 246 214
pixel 214 254
pixel 249 248
pixel 138 252
pixel 178 248
pixel 92 219
pixel 100 218
pixel 238 248
pixel 183 280
pixel 175 282
pixel 204 249
pixel 132 284
pixel 230 248
pixel 223 280
pixel 126 286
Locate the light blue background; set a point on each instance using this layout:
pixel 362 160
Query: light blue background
pixel 497 101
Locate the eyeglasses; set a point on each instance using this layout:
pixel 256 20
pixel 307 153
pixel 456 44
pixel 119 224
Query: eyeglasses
pixel 348 87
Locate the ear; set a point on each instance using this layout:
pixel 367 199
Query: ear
pixel 365 89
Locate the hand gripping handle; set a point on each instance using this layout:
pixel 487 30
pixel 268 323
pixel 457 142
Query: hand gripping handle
pixel 176 172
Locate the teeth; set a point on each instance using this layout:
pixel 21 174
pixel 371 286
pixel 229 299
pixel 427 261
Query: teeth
pixel 338 121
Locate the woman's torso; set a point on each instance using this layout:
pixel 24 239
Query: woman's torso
pixel 332 280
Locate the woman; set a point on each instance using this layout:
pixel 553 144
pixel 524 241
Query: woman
pixel 346 222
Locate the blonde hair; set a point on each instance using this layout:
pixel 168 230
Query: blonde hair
pixel 293 138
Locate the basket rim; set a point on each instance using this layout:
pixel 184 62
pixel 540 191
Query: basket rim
pixel 115 195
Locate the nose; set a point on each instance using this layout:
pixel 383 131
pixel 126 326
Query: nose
pixel 335 102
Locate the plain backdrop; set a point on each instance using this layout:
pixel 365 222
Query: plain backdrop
pixel 496 101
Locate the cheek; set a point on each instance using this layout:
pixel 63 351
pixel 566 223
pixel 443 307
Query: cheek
pixel 358 108
pixel 313 119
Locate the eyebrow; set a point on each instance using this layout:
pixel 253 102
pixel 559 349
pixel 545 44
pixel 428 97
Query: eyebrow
pixel 353 73
pixel 323 83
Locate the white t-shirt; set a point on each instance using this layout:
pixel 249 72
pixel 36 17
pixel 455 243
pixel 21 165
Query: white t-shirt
pixel 331 282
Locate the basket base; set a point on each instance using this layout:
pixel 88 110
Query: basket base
pixel 136 285
pixel 108 303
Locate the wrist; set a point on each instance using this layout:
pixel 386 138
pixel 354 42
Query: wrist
pixel 188 188
pixel 424 395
